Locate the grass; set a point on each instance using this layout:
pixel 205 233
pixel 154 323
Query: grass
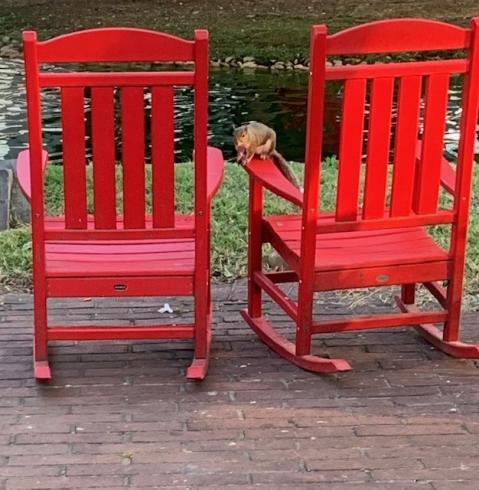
pixel 276 30
pixel 229 230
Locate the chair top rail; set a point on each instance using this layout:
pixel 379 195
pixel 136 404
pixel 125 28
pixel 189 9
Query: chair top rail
pixel 393 70
pixel 112 45
pixel 396 35
pixel 442 217
pixel 116 79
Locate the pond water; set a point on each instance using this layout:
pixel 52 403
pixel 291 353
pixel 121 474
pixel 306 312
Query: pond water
pixel 277 99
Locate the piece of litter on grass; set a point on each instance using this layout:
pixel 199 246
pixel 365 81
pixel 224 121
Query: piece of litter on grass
pixel 166 309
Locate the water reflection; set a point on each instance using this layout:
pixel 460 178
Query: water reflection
pixel 278 100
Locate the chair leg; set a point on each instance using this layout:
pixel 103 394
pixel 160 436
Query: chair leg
pixel 448 340
pixel 305 320
pixel 255 248
pixel 408 294
pixel 454 300
pixel 41 367
pixel 203 318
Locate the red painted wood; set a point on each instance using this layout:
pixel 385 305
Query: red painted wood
pixel 104 254
pixel 103 141
pixel 434 336
pixel 441 217
pixel 428 172
pixel 277 294
pixel 197 370
pixel 381 247
pixel 121 333
pixel 438 292
pixel 408 293
pixel 465 162
pixel 397 35
pixel 404 151
pixel 396 70
pixel 346 250
pixel 279 344
pixel 448 172
pixel 117 79
pixel 182 222
pixel 448 177
pixel 327 224
pixel 202 213
pixel 115 44
pixel 184 227
pixel 164 233
pixel 36 159
pixel 42 370
pixel 215 172
pixel 71 287
pixel 23 171
pixel 350 150
pixel 280 277
pixel 255 248
pixel 163 156
pixel 453 348
pixel 129 257
pixel 312 175
pixel 382 275
pixel 379 135
pixel 133 156
pixel 269 176
pixel 74 163
pixel 379 321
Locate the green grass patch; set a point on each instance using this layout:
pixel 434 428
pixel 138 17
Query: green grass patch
pixel 229 228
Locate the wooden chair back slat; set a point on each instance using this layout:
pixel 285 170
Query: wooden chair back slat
pixel 428 176
pixel 351 146
pixel 133 156
pixel 163 156
pixel 379 137
pixel 409 100
pixel 103 144
pixel 74 164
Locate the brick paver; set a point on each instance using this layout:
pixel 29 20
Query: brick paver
pixel 122 415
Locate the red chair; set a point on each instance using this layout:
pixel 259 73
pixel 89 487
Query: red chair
pixel 105 253
pixel 377 235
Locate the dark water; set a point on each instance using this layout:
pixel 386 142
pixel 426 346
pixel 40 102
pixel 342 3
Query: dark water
pixel 276 99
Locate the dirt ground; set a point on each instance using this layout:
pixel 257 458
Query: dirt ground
pixel 276 29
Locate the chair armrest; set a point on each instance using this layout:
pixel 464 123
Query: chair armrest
pixel 448 173
pixel 215 165
pixel 269 176
pixel 23 171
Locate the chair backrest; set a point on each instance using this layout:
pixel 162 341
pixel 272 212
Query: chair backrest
pixel 412 97
pixel 128 90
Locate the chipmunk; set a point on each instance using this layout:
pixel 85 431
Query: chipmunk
pixel 256 138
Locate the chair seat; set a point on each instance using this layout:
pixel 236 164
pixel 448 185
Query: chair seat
pixel 105 258
pixel 359 249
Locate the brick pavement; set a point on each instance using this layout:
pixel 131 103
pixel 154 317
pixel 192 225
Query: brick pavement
pixel 122 415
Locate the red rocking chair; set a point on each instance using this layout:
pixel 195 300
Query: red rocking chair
pixel 132 253
pixel 377 235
